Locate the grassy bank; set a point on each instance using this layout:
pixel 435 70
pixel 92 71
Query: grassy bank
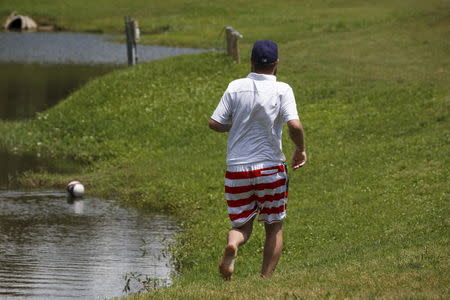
pixel 368 216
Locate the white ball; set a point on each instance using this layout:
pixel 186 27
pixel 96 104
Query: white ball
pixel 75 189
pixel 78 190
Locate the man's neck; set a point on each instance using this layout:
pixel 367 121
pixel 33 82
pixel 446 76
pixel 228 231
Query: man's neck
pixel 264 73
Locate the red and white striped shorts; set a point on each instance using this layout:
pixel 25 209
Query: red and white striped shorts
pixel 253 188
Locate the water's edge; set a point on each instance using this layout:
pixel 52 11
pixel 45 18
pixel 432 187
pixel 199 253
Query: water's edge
pixel 33 224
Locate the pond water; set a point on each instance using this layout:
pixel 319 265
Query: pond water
pixel 54 248
pixel 11 165
pixel 29 88
pixel 80 48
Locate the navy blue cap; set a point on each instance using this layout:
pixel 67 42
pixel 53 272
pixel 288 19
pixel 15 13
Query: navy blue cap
pixel 264 52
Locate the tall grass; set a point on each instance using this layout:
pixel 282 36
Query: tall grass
pixel 368 216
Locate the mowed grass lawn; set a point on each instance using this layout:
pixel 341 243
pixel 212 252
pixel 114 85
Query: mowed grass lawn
pixel 368 216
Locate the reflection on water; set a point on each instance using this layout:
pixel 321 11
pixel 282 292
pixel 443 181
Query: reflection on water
pixel 12 165
pixel 54 248
pixel 29 88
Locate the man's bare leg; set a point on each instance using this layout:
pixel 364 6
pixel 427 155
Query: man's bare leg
pixel 272 248
pixel 236 237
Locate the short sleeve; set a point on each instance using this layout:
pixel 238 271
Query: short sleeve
pixel 288 106
pixel 222 114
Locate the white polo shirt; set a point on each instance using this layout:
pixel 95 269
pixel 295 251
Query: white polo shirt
pixel 256 107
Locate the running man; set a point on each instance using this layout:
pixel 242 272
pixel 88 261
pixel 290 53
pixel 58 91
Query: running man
pixel 253 110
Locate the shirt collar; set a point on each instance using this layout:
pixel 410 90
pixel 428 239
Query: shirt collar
pixel 258 76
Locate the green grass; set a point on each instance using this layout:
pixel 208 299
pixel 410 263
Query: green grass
pixel 368 215
pixel 199 23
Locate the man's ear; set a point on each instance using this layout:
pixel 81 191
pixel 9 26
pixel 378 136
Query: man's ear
pixel 275 68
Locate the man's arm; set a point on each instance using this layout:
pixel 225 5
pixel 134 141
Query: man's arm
pixel 219 127
pixel 298 138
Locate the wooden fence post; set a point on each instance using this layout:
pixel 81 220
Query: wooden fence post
pixel 228 37
pixel 130 31
pixel 232 37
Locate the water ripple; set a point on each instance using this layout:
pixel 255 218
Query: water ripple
pixel 48 250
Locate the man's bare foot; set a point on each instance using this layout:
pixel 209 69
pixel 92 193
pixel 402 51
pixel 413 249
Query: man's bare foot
pixel 226 266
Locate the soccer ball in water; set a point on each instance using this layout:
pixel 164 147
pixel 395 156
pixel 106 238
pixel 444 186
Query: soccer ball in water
pixel 75 189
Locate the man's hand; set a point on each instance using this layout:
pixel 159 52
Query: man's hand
pixel 298 159
pixel 298 138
